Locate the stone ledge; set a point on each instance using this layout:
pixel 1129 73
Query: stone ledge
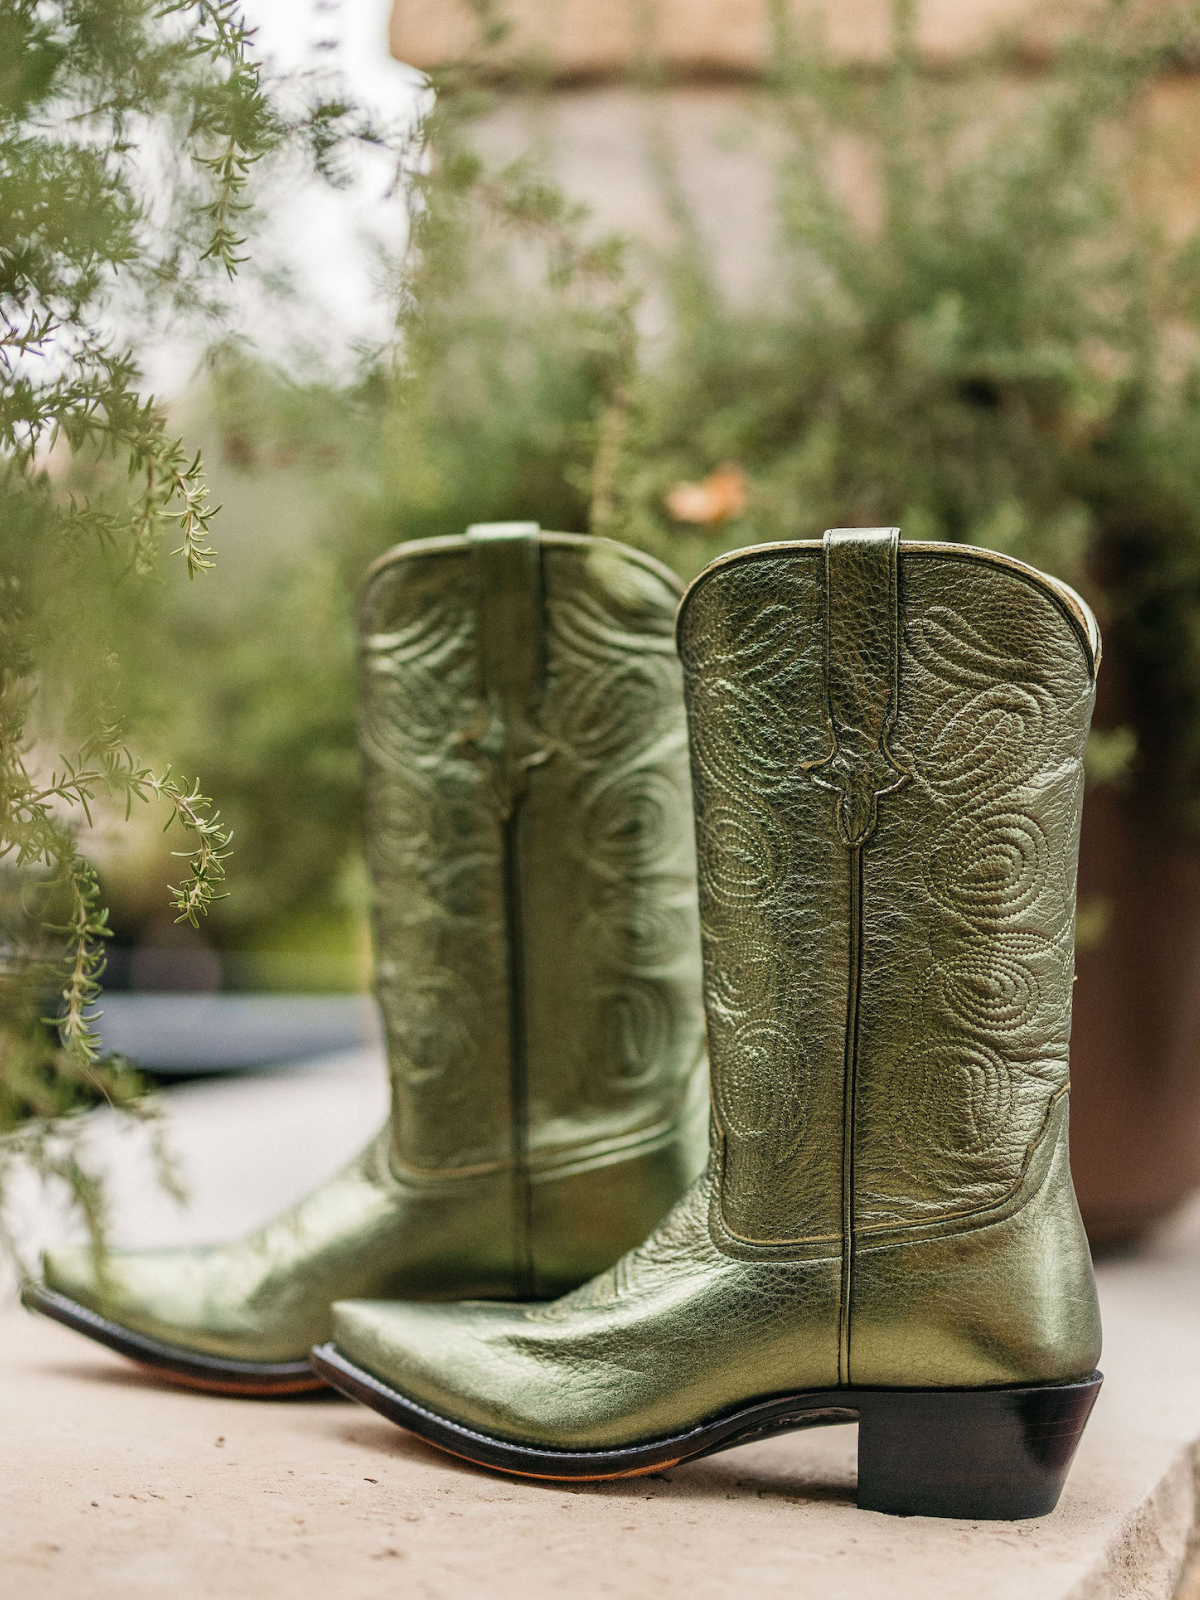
pixel 118 1488
pixel 597 40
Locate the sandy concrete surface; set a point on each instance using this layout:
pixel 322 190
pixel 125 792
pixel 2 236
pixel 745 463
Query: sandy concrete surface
pixel 116 1487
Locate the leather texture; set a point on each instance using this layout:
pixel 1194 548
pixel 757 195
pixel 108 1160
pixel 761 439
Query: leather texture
pixel 537 956
pixel 887 748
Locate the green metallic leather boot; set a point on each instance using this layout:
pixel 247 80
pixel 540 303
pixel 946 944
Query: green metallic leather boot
pixel 537 964
pixel 886 757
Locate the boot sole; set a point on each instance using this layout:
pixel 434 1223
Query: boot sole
pixel 189 1368
pixel 982 1454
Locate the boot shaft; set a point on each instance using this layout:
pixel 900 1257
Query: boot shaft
pixel 530 848
pixel 887 763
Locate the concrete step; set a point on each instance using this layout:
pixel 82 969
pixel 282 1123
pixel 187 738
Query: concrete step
pixel 119 1488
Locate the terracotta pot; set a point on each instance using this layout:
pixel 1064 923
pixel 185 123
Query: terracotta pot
pixel 1135 1042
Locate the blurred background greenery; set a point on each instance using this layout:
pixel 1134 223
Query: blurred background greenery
pixel 978 316
pixel 991 335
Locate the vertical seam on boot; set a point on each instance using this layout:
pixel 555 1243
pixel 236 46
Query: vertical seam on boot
pixel 513 667
pixel 849 1099
pixel 523 1265
pixel 860 777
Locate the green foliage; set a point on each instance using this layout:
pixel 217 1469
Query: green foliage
pixel 269 715
pixel 1005 350
pixel 509 378
pixel 993 338
pixel 129 130
pixel 517 346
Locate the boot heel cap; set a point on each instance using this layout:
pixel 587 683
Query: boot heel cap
pixel 975 1454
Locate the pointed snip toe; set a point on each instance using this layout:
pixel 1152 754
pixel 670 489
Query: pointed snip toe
pixel 190 1369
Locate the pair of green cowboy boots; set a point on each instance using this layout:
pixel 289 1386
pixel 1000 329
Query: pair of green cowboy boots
pixel 886 774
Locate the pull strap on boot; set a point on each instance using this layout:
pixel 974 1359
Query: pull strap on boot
pixel 862 670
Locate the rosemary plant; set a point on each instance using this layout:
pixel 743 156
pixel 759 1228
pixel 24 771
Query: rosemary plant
pixel 129 132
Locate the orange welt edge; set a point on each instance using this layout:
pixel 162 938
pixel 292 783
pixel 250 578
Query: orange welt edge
pixel 557 1477
pixel 232 1391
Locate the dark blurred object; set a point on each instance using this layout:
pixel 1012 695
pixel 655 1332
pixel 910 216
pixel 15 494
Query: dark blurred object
pixel 169 970
pixel 194 1035
pixel 1135 1041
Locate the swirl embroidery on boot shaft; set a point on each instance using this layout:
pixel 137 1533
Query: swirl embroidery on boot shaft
pixel 748 644
pixel 610 710
pixel 434 854
pixel 613 710
pixel 999 739
pixel 969 891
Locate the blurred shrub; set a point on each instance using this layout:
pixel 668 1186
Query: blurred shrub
pixel 1000 344
pixel 252 683
pixel 515 327
pixel 81 83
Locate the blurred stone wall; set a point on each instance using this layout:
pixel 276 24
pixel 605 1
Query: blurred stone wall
pixel 612 147
pixel 595 39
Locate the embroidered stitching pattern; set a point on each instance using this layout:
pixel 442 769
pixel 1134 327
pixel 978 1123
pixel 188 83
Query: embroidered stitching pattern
pixel 611 717
pixel 980 1050
pixel 752 655
pixel 967 1033
pixel 613 711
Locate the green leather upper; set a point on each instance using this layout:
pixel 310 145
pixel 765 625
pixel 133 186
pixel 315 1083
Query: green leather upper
pixel 887 748
pixel 909 963
pixel 537 963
